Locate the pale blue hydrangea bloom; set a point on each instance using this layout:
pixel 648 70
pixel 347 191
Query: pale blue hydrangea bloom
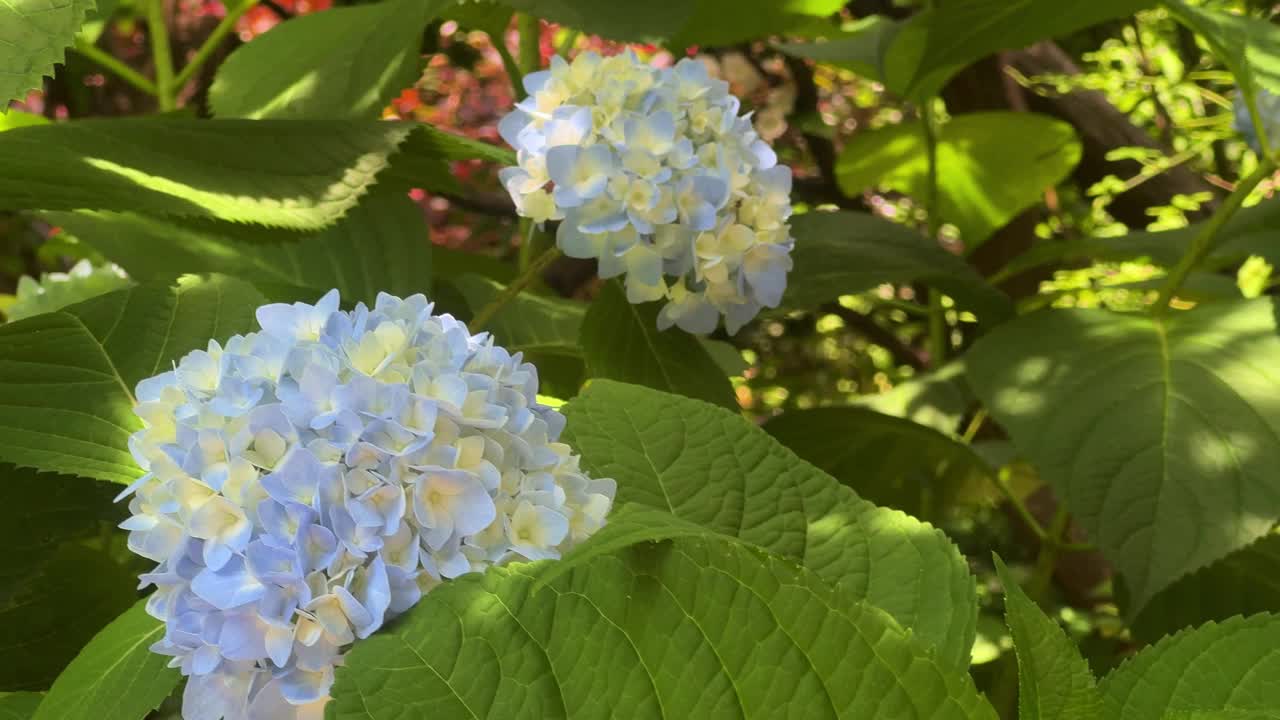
pixel 310 481
pixel 1268 109
pixel 654 173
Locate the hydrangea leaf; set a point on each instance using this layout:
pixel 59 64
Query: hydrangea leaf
pixel 841 253
pixel 683 629
pixel 115 676
pixel 381 245
pixel 859 49
pixel 991 166
pixel 938 399
pixel 528 323
pixel 679 23
pixel 711 467
pixel 67 378
pixel 1054 681
pixel 1222 671
pixel 345 62
pixel 34 36
pixel 19 705
pixel 65 574
pixel 1160 434
pixel 622 342
pixel 301 175
pixel 935 44
pixel 1243 583
pixel 890 461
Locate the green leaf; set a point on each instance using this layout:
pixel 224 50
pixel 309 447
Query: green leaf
pixel 345 62
pixel 34 36
pixel 890 461
pixel 294 174
pixel 1229 666
pixel 1249 47
pixel 116 676
pixel 679 23
pixel 1054 682
pixel 859 49
pixel 528 322
pixel 685 629
pixel 1162 435
pixel 991 166
pixel 936 43
pixel 938 399
pixel 67 378
pixel 621 341
pixel 65 573
pixel 711 467
pixel 381 245
pixel 842 253
pixel 1243 583
pixel 19 705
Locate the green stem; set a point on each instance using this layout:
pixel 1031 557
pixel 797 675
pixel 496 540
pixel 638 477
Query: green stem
pixel 1259 127
pixel 161 54
pixel 530 34
pixel 566 45
pixel 938 332
pixel 526 278
pixel 1038 585
pixel 109 62
pixel 207 49
pixel 1204 240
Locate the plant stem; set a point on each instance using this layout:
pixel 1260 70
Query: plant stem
pixel 511 66
pixel 566 45
pixel 211 43
pixel 109 62
pixel 526 278
pixel 161 54
pixel 1038 585
pixel 1259 127
pixel 938 335
pixel 1204 240
pixel 530 35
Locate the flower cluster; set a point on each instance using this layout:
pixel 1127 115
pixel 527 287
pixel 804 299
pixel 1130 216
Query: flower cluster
pixel 653 172
pixel 1268 111
pixel 54 291
pixel 307 482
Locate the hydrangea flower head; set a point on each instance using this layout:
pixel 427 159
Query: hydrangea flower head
pixel 653 172
pixel 307 482
pixel 54 291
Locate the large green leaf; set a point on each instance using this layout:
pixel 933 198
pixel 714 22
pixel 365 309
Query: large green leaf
pixel 621 341
pixel 1162 435
pixel 991 166
pixel 34 35
pixel 679 23
pixel 887 460
pixel 343 62
pixel 67 378
pixel 841 253
pixel 381 245
pixel 19 705
pixel 65 572
pixel 1230 666
pixel 710 467
pixel 938 399
pixel 1054 682
pixel 301 175
pixel 1249 47
pixel 936 43
pixel 684 629
pixel 860 48
pixel 115 676
pixel 1243 583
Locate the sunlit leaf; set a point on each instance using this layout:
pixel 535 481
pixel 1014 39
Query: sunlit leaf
pixel 34 36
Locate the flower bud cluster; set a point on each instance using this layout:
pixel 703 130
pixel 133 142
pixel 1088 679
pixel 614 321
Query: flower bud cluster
pixel 307 482
pixel 653 172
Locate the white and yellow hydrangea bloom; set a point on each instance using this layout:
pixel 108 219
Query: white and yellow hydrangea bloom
pixel 655 174
pixel 305 483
